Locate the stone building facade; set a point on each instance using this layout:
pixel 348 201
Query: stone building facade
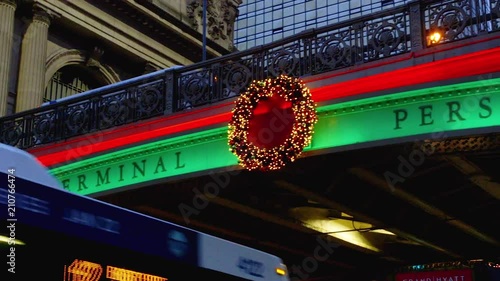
pixel 54 48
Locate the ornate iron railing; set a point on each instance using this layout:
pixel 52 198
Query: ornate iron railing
pixel 381 35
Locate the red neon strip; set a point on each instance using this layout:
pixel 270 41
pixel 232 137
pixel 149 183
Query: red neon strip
pixel 467 65
pixel 72 154
pixel 125 130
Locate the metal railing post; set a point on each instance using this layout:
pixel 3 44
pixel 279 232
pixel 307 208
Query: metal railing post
pixel 417 35
pixel 170 86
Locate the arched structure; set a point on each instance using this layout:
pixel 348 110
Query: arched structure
pixel 64 57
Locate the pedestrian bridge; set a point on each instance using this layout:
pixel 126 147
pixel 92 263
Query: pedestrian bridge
pixel 380 81
pixel 376 80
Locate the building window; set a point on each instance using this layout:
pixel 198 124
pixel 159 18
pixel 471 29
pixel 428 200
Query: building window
pixel 387 2
pixel 257 16
pixel 70 80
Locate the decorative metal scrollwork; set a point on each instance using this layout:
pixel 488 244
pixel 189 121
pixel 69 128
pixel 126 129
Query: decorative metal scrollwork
pixel 333 52
pixel 44 128
pixel 236 78
pixel 495 10
pixel 283 62
pixel 11 132
pixel 451 20
pixel 76 119
pixel 149 101
pixel 195 89
pixel 385 39
pixel 496 7
pixel 113 110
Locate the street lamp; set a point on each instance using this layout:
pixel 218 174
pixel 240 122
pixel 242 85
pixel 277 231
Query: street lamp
pixel 434 37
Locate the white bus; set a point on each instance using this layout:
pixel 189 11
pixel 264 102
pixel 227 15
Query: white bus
pixel 52 234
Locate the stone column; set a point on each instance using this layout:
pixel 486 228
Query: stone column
pixel 31 82
pixel 7 9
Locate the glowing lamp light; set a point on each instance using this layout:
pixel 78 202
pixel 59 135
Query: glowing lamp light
pixel 434 37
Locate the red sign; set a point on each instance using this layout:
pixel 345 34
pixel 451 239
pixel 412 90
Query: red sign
pixel 438 275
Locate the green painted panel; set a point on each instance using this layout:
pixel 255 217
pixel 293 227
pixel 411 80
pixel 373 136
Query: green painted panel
pixel 384 118
pixel 162 159
pixel 434 110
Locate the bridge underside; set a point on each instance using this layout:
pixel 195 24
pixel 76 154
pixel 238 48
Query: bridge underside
pixel 439 200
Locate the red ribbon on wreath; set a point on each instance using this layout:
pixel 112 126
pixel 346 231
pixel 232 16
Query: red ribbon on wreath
pixel 272 123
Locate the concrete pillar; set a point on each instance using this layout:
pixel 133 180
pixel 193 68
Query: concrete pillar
pixel 31 82
pixel 7 9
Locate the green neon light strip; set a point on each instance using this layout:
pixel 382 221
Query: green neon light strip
pixel 165 158
pixel 373 119
pixel 341 124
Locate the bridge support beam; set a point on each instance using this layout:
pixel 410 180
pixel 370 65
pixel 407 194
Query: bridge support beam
pixel 337 206
pixel 379 182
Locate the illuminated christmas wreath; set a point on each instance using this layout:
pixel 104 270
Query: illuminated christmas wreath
pixel 272 123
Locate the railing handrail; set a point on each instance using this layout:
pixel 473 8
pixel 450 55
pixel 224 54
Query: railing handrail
pixel 91 93
pixel 203 64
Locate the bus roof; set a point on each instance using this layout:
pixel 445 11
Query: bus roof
pixel 25 166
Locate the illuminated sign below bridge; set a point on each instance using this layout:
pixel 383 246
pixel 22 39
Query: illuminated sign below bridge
pixel 430 112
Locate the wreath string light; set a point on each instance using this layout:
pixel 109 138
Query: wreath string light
pixel 291 91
